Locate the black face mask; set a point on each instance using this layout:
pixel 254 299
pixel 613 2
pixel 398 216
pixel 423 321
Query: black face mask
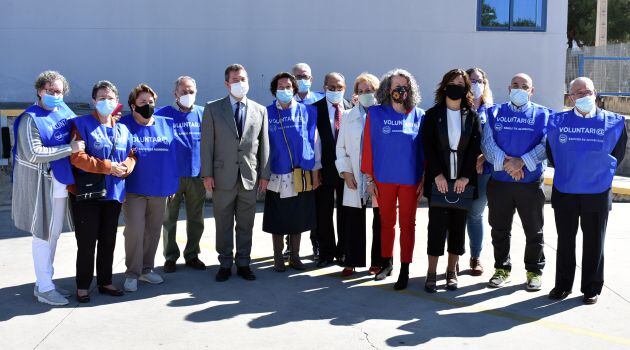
pixel 399 95
pixel 455 92
pixel 145 111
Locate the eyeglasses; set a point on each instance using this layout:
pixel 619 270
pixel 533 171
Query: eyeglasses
pixel 581 94
pixel 335 88
pixel 476 81
pixel 54 92
pixel 303 77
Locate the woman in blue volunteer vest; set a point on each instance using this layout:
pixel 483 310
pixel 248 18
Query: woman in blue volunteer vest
pixel 154 178
pixel 584 135
pixel 292 144
pixel 41 171
pixel 452 135
pixel 393 162
pixel 482 99
pixel 107 152
pixel 355 196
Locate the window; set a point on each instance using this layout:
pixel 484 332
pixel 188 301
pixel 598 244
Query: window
pixel 512 15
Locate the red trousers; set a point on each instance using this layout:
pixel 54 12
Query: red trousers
pixel 405 195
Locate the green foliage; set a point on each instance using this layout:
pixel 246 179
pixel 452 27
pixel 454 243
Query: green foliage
pixel 582 19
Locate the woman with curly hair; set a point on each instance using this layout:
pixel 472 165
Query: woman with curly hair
pixel 394 164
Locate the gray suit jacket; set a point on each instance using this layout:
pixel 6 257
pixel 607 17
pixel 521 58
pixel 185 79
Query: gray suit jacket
pixel 223 154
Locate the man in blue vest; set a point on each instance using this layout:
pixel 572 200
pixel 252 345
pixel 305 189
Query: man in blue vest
pixel 581 194
pixel 186 117
pixel 514 142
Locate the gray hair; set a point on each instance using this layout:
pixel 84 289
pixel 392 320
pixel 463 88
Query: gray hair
pixel 331 74
pixel 50 76
pixel 383 95
pixel 104 84
pixel 589 83
pixel 182 78
pixel 301 65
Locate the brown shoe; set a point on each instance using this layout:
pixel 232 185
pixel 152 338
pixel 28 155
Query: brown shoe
pixel 451 280
pixel 475 267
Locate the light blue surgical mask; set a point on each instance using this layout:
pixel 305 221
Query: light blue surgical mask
pixel 284 96
pixel 304 85
pixel 51 101
pixel 585 104
pixel 334 96
pixel 519 97
pixel 367 100
pixel 106 107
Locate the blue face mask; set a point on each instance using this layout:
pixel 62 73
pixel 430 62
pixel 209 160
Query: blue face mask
pixel 585 104
pixel 284 96
pixel 334 96
pixel 519 97
pixel 106 107
pixel 52 101
pixel 304 85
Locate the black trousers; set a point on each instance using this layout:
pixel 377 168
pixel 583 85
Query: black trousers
pixel 355 237
pixel 446 224
pixel 95 221
pixel 528 199
pixel 570 211
pixel 327 196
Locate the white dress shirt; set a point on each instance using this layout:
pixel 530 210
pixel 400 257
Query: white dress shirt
pixel 331 114
pixel 454 126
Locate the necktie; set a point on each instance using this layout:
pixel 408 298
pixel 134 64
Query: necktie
pixel 337 119
pixel 238 118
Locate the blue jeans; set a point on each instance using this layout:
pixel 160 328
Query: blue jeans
pixel 475 220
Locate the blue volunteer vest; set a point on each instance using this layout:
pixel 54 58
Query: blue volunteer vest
pixel 54 130
pixel 155 173
pixel 396 145
pixel 517 133
pixel 299 128
pixel 581 149
pixel 313 97
pixel 483 118
pixel 98 143
pixel 187 128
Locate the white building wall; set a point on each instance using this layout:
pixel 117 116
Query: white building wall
pixel 133 41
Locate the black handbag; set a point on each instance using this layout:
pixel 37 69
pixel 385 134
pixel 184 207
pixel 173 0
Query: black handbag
pixel 92 186
pixel 450 199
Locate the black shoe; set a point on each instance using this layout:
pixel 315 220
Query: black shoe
pixel 246 273
pixel 169 266
pixel 324 262
pixel 589 299
pixel 223 274
pixel 403 277
pixel 83 298
pixel 196 264
pixel 111 292
pixel 558 294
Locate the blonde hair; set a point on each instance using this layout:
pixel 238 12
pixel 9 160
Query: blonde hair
pixel 486 96
pixel 367 78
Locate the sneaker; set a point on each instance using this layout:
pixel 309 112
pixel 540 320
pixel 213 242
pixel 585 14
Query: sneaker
pixel 534 281
pixel 151 277
pixel 131 285
pixel 64 292
pixel 500 278
pixel 52 297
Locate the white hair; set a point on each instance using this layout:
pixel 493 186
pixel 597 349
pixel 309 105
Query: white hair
pixel 302 66
pixel 589 83
pixel 182 78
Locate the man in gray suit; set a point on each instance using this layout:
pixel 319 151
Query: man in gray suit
pixel 234 156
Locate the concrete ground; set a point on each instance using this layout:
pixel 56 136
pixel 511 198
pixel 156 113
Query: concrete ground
pixel 316 309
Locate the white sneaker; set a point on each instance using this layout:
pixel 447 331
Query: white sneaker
pixel 131 285
pixel 151 277
pixel 52 297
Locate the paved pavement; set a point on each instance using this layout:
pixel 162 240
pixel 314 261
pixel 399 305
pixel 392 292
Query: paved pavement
pixel 316 309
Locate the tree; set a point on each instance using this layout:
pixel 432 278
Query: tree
pixel 582 20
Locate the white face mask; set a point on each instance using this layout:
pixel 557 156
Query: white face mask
pixel 367 100
pixel 477 89
pixel 187 101
pixel 240 89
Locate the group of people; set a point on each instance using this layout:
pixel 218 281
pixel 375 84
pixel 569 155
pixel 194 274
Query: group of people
pixel 322 161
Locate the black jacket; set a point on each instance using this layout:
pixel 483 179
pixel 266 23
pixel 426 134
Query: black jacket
pixel 437 150
pixel 327 138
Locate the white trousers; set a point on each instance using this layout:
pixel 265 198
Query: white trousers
pixel 44 251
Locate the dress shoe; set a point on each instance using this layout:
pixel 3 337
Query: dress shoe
pixel 296 264
pixel 403 277
pixel 348 271
pixel 223 274
pixel 475 267
pixel 115 292
pixel 558 294
pixel 430 283
pixel 246 273
pixel 324 262
pixel 196 264
pixel 169 266
pixel 589 299
pixel 374 270
pixel 83 298
pixel 383 273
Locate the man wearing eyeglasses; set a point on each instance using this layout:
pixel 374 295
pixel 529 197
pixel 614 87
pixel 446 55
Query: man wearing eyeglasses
pixel 303 75
pixel 585 145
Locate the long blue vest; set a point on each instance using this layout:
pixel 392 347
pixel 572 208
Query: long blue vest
pixel 187 127
pixel 98 143
pixel 517 133
pixel 299 128
pixel 581 149
pixel 155 173
pixel 396 139
pixel 54 130
pixel 313 97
